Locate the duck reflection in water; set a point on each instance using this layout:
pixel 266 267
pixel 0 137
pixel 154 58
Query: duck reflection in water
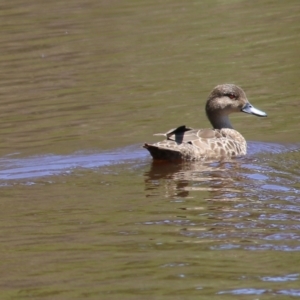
pixel 178 179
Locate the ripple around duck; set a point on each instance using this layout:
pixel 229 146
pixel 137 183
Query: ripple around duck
pixel 12 167
pixel 252 202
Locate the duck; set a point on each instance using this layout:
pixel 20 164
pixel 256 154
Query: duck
pixel 217 143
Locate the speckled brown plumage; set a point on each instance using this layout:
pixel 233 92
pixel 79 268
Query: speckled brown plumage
pixel 185 143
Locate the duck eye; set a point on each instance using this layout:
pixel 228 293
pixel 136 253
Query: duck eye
pixel 231 96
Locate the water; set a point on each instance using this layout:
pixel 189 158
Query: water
pixel 85 214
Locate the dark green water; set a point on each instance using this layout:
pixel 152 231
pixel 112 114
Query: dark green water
pixel 84 212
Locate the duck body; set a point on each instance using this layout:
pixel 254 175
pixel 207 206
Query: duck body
pixel 222 141
pixel 184 143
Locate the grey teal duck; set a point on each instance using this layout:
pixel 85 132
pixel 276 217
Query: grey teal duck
pixel 222 141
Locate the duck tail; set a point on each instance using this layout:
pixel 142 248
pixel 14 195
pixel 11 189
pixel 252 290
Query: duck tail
pixel 159 153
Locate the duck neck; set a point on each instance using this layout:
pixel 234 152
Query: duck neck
pixel 220 121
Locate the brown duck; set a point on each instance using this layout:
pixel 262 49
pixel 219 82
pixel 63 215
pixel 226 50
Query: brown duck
pixel 185 143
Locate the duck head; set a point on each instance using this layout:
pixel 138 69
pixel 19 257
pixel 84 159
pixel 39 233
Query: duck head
pixel 226 99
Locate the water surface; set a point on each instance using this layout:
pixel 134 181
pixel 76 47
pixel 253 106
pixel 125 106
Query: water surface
pixel 84 212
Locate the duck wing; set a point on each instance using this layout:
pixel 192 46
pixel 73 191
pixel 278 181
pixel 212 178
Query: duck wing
pixel 183 142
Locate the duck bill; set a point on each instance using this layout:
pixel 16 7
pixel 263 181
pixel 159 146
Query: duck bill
pixel 249 109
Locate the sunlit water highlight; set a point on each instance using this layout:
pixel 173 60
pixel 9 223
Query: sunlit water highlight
pixel 47 165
